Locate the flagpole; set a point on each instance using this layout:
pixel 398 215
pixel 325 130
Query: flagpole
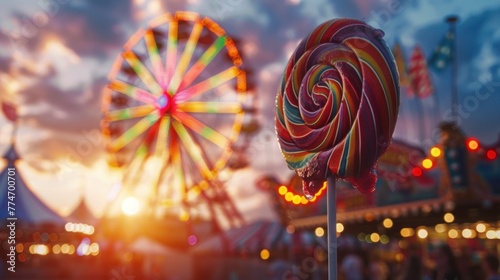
pixel 452 20
pixel 13 134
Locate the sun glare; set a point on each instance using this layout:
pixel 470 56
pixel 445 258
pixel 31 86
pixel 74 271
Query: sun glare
pixel 130 206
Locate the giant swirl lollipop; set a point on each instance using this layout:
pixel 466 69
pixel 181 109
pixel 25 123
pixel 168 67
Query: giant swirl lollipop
pixel 337 106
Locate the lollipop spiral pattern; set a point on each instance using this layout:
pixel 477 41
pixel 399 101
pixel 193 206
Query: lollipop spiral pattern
pixel 337 105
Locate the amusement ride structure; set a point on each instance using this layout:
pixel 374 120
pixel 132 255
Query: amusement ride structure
pixel 173 110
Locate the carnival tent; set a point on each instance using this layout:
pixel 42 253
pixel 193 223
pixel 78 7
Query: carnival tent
pixel 82 214
pixel 27 207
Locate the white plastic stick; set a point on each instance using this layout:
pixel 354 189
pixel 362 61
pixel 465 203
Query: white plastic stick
pixel 332 228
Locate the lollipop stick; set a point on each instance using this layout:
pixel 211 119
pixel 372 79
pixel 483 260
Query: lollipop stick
pixel 332 228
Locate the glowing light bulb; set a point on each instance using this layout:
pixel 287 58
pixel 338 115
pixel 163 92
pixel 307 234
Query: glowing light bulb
pixel 472 144
pixel 387 223
pixel 319 232
pixel 448 217
pixel 435 152
pixel 340 227
pixel 283 190
pixel 427 163
pixel 265 254
pixel 422 233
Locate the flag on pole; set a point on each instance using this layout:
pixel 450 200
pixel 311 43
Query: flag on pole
pixel 9 110
pixel 443 53
pixel 404 78
pixel 419 74
pixel 8 97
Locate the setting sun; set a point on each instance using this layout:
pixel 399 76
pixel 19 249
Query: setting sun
pixel 130 206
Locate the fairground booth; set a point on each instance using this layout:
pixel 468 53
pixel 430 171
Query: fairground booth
pixel 447 194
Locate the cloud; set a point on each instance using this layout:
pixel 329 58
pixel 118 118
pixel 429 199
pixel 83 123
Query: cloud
pixel 67 117
pixel 79 115
pixel 228 10
pixel 4 38
pixel 90 28
pixel 4 64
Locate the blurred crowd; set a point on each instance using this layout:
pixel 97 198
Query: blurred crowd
pixel 415 262
pixel 442 263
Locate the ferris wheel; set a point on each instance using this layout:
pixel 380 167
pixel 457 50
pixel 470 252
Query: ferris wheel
pixel 173 108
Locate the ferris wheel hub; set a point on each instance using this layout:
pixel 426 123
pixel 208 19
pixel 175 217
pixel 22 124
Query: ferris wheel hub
pixel 166 103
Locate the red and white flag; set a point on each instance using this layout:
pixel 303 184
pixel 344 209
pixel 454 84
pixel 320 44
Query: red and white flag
pixel 419 74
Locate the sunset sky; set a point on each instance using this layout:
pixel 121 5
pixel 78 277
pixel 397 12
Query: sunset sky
pixel 55 56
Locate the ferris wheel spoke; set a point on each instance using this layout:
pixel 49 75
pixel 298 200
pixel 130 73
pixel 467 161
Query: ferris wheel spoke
pixel 193 149
pixel 156 183
pixel 142 72
pixel 202 129
pixel 177 164
pixel 161 143
pixel 154 55
pixel 211 107
pixel 130 113
pixel 185 58
pixel 207 84
pixel 203 61
pixel 171 58
pixel 133 92
pixel 141 152
pixel 136 130
pixel 137 161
